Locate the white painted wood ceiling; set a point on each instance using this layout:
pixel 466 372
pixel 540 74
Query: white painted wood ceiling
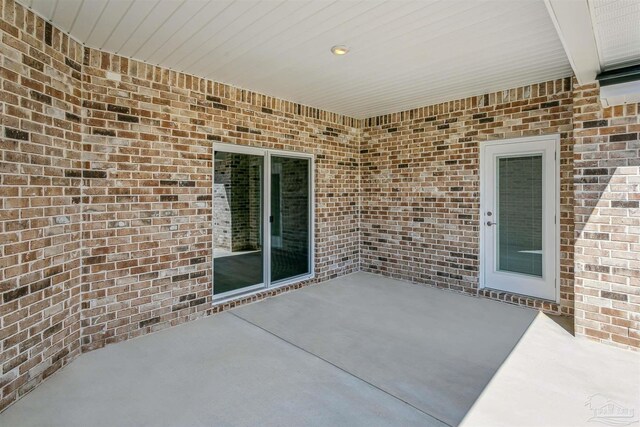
pixel 617 31
pixel 404 54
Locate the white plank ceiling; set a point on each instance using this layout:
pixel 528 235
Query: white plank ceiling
pixel 404 54
pixel 617 31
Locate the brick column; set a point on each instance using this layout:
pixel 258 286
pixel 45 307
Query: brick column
pixel 607 219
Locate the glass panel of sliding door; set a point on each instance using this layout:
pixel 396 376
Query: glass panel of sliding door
pixel 238 253
pixel 290 217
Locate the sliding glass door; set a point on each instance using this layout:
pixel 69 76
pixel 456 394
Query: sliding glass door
pixel 237 221
pixel 262 219
pixel 290 217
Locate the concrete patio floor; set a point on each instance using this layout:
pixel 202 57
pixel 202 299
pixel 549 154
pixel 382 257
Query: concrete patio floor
pixel 358 350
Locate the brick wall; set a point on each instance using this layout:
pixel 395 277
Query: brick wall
pixel 607 217
pixel 41 176
pixel 148 140
pixel 420 186
pixel 222 218
pixel 106 175
pixel 295 201
pixel 106 178
pixel 237 202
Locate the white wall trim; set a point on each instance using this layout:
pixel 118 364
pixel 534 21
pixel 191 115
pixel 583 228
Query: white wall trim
pixel 573 23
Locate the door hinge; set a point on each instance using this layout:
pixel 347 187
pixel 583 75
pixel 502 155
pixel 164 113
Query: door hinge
pixel 271 219
pixel 555 155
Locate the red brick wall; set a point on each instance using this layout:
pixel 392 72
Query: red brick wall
pixel 40 218
pixel 420 186
pixel 607 213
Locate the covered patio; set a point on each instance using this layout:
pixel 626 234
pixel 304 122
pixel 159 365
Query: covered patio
pixel 359 350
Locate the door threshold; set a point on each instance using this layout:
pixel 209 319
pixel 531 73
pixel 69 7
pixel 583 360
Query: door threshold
pixel 546 305
pixel 242 294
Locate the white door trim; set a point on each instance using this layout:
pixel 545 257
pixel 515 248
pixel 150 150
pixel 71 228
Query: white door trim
pixel 484 163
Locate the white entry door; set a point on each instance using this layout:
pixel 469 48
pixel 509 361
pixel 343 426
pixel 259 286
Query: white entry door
pixel 519 231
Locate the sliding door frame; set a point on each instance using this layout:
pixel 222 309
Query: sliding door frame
pixel 266 154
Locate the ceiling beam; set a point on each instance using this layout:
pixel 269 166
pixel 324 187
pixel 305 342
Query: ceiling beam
pixel 572 20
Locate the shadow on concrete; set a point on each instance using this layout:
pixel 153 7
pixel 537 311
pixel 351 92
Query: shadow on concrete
pixel 432 349
pixel 360 350
pixel 552 378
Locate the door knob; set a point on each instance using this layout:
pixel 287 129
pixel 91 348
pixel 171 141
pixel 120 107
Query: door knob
pixel 489 223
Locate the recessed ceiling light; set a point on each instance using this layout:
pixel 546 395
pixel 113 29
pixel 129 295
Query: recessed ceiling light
pixel 339 50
